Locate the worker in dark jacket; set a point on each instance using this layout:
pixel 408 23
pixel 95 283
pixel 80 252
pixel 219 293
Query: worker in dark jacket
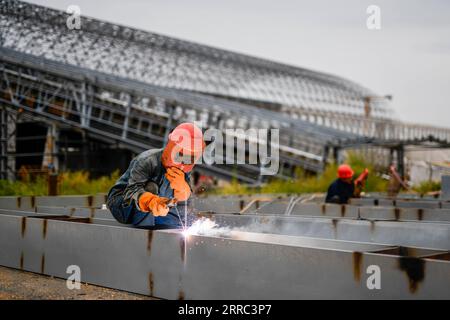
pixel 343 188
pixel 154 190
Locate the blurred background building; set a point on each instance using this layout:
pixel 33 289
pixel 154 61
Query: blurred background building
pixel 91 98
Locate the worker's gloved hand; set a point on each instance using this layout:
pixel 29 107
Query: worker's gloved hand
pixel 181 189
pixel 149 202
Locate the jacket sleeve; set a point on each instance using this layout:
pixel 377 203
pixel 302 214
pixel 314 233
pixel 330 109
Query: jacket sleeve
pixel 141 170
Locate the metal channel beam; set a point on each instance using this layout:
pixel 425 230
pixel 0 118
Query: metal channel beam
pixel 328 211
pixel 228 204
pixel 89 206
pixel 162 264
pixel 280 204
pixel 76 212
pixel 291 208
pixel 421 234
pixel 431 235
pixel 233 204
pixel 404 214
pixel 30 202
pixel 355 212
pixel 369 213
pixel 309 209
pixel 401 203
pixel 101 216
pixel 372 229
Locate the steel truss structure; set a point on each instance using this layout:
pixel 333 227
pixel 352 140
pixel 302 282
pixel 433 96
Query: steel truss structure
pixel 130 87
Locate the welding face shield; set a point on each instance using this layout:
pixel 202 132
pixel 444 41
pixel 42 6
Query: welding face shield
pixel 184 147
pixel 184 158
pixel 176 156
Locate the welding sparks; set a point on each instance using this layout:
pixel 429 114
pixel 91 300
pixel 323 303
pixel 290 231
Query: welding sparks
pixel 185 233
pixel 205 227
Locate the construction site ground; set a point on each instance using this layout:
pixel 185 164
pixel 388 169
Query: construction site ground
pixel 21 285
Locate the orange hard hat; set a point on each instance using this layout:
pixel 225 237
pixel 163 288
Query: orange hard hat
pixel 184 148
pixel 189 137
pixel 345 171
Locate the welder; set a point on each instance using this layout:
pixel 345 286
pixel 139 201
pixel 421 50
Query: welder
pixel 344 188
pixel 153 192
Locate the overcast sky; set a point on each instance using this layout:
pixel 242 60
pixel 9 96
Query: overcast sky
pixel 409 57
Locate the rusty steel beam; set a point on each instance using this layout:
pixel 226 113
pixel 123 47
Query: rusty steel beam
pixel 304 210
pixel 240 266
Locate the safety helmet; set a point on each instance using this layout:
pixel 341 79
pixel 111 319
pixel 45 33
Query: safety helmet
pixel 184 147
pixel 345 171
pixel 188 136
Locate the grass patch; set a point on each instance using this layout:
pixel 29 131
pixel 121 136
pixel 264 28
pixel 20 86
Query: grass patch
pixel 70 183
pixel 303 183
pixel 427 186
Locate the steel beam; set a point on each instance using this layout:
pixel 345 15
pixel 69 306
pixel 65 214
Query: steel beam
pixel 30 202
pixel 404 214
pixel 244 266
pixel 422 234
pixel 401 203
pixel 369 213
pixel 262 205
pixel 354 212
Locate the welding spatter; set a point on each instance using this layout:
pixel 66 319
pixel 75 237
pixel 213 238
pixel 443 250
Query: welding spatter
pixel 173 204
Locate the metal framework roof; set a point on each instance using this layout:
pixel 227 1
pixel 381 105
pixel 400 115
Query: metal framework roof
pixel 131 86
pixel 173 63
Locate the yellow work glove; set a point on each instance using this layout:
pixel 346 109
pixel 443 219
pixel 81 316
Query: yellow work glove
pixel 181 189
pixel 151 202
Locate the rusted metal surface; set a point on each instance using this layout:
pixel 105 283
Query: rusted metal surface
pixel 252 266
pixel 307 238
pixel 371 224
pixel 53 185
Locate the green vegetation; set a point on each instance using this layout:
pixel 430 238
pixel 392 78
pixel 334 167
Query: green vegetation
pixel 233 188
pixel 70 183
pixel 73 183
pixel 310 184
pixel 427 186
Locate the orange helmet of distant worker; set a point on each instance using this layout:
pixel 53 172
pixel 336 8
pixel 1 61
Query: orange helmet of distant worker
pixel 345 172
pixel 184 147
